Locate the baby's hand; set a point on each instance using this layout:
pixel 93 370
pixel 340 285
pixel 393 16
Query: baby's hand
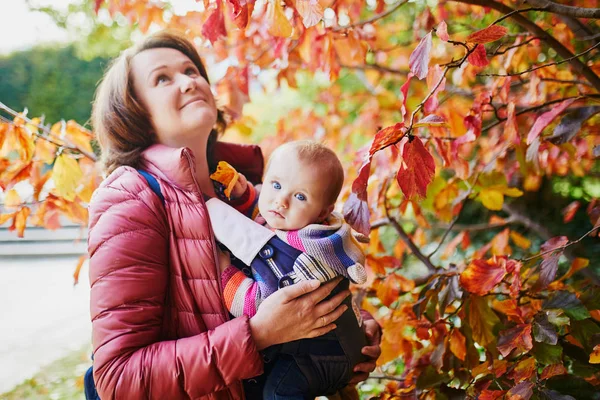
pixel 240 187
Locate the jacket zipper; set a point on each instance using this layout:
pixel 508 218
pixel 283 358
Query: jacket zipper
pixel 215 256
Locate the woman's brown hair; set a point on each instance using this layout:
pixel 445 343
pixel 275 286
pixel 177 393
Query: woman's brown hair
pixel 120 122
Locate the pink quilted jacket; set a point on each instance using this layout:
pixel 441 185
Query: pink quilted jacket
pixel 160 328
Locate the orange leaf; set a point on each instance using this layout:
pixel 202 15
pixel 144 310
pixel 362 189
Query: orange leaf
pixel 78 268
pixel 12 199
pixel 553 370
pixel 489 34
pixel 520 240
pixel 491 394
pixel 417 170
pixel 509 308
pixel 6 217
pixel 277 23
pixel 387 136
pixel 577 265
pixel 595 356
pixel 518 337
pixel 225 175
pixel 390 288
pixel 481 276
pixel 458 345
pixel 20 221
pixel 500 243
pixel 482 319
pixel 523 370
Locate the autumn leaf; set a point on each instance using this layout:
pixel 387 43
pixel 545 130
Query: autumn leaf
pixel 417 169
pixel 241 13
pixel 214 27
pixel 521 391
pixel 458 344
pixel 570 124
pixel 442 31
pixel 524 370
pixel 543 330
pixel 78 268
pixel 227 176
pixel 554 243
pixel 387 136
pixel 418 61
pixel 277 23
pixel 311 12
pixel 569 211
pixel 20 221
pixel 493 197
pixel 66 175
pixel 481 276
pixel 518 338
pixel 577 265
pixel 595 356
pixel 356 210
pixel 553 370
pixel 12 199
pixel 489 34
pixel 482 320
pixel 520 240
pixel 546 118
pixel 478 57
pixel 491 394
pixel 548 268
pixel 431 120
pixel 392 286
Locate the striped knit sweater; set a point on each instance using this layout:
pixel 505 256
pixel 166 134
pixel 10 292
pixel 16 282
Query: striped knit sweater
pixel 331 244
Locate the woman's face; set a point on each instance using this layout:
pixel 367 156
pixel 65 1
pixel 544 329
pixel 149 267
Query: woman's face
pixel 178 99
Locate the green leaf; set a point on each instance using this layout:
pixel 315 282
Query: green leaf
pixel 569 384
pixel 557 318
pixel 547 354
pixel 431 378
pixel 584 332
pixel 569 303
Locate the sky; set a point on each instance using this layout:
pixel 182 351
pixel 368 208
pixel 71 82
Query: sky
pixel 21 28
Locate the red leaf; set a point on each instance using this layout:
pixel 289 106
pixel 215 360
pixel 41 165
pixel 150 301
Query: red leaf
pixel 387 136
pixel 214 27
pixel 570 210
pixel 442 31
pixel 489 34
pixel 522 391
pixel 481 276
pixel 518 337
pixel 356 210
pixel 433 77
pixel 418 61
pixel 240 13
pixel 553 243
pixel 548 269
pixel 478 57
pixel 97 4
pixel 545 119
pixel 404 91
pixel 491 394
pixel 417 170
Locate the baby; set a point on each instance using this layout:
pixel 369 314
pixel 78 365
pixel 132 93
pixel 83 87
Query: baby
pixel 302 182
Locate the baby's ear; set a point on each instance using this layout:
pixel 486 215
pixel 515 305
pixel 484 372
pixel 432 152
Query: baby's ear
pixel 326 213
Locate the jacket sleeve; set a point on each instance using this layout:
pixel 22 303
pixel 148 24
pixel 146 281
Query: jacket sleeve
pixel 247 203
pixel 128 246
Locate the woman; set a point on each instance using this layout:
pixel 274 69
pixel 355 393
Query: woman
pixel 160 328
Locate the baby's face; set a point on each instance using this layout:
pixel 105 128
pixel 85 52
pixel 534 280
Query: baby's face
pixel 293 193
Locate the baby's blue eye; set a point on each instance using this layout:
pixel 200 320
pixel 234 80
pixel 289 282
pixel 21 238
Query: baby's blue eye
pixel 301 197
pixel 276 185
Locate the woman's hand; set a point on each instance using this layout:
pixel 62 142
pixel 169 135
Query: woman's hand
pixel 297 312
pixel 362 370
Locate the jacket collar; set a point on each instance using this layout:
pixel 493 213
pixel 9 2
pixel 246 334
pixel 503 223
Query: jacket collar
pixel 174 165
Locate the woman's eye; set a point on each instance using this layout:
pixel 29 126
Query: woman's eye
pixel 300 197
pixel 191 72
pixel 276 185
pixel 162 79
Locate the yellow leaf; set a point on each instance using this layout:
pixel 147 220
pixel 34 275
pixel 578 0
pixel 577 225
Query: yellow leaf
pixel 513 192
pixel 226 175
pixel 45 151
pixel 520 240
pixel 595 356
pixel 492 198
pixel 578 264
pixel 66 174
pixel 458 344
pixel 277 21
pixel 12 199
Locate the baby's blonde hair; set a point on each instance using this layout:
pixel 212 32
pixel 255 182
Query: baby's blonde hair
pixel 319 155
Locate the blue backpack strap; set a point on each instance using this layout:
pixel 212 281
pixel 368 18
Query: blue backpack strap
pixel 153 183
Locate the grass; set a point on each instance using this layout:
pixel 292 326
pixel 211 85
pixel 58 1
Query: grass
pixel 62 379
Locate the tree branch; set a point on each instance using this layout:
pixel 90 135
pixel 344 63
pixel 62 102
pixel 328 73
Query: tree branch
pixel 48 134
pixel 545 65
pixel 577 65
pixel 373 18
pixel 577 12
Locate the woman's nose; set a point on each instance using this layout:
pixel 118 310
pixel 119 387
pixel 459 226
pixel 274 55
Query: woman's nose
pixel 187 83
